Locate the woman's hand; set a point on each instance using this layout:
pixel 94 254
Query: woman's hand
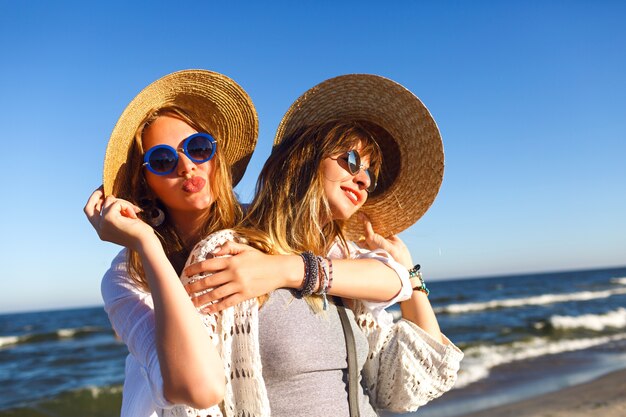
pixel 393 244
pixel 246 274
pixel 417 309
pixel 115 220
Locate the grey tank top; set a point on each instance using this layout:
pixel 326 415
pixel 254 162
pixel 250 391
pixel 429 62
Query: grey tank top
pixel 304 359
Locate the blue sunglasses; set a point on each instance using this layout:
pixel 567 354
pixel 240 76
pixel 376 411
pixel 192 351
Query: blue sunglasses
pixel 163 159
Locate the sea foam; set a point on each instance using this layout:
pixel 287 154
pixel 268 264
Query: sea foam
pixel 69 333
pixel 479 360
pixel 598 322
pixel 529 301
pixel 9 340
pixel 66 333
pixel 621 281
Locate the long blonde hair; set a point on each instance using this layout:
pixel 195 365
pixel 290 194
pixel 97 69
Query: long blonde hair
pixel 290 212
pixel 225 211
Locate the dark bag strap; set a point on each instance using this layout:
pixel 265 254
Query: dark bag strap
pixel 353 370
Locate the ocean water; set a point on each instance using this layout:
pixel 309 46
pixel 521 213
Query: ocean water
pixel 60 363
pixel 516 331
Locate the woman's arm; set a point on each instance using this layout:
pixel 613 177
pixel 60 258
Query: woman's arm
pixel 191 368
pixel 193 372
pixel 411 362
pixel 249 273
pixel 416 309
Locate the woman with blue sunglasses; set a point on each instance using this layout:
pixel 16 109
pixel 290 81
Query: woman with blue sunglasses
pixel 162 168
pixel 167 186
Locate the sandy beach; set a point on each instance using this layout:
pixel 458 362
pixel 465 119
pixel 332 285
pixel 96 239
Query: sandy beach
pixel 605 396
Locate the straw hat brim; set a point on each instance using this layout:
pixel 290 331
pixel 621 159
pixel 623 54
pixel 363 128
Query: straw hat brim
pixel 413 158
pixel 206 96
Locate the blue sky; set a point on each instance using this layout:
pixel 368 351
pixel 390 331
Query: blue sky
pixel 530 98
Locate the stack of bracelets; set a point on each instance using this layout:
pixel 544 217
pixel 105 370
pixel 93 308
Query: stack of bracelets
pixel 318 273
pixel 417 282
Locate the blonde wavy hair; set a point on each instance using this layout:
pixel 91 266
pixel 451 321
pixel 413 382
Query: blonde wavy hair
pixel 225 211
pixel 290 213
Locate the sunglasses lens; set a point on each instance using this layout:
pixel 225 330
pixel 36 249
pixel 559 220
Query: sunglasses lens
pixel 354 162
pixel 200 148
pixel 354 166
pixel 372 179
pixel 162 160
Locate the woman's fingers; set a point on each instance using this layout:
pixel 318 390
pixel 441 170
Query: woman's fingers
pixel 231 248
pixel 115 220
pixel 392 245
pixel 395 239
pixel 94 206
pixel 224 304
pixel 206 283
pixel 218 293
pixel 373 239
pixel 247 272
pixel 94 203
pixel 218 262
pixel 117 205
pixel 208 266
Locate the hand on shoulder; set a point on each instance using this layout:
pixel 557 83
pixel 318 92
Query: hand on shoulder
pixel 236 272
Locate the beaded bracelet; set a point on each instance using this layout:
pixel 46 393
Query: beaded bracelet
pixel 314 275
pixel 311 275
pixel 324 280
pixel 330 274
pixel 323 276
pixel 417 282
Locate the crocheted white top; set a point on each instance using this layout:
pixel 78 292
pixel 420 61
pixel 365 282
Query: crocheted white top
pixel 405 368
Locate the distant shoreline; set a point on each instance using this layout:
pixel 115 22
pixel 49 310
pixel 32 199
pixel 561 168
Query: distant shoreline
pixel 50 309
pixel 530 273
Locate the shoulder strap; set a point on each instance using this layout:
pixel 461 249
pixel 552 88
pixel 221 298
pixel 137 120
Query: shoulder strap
pixel 353 370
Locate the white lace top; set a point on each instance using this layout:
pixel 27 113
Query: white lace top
pixel 424 367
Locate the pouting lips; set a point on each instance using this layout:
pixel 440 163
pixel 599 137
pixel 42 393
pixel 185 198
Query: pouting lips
pixel 194 184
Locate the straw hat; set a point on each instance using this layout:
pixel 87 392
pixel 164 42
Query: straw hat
pixel 206 96
pixel 413 160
